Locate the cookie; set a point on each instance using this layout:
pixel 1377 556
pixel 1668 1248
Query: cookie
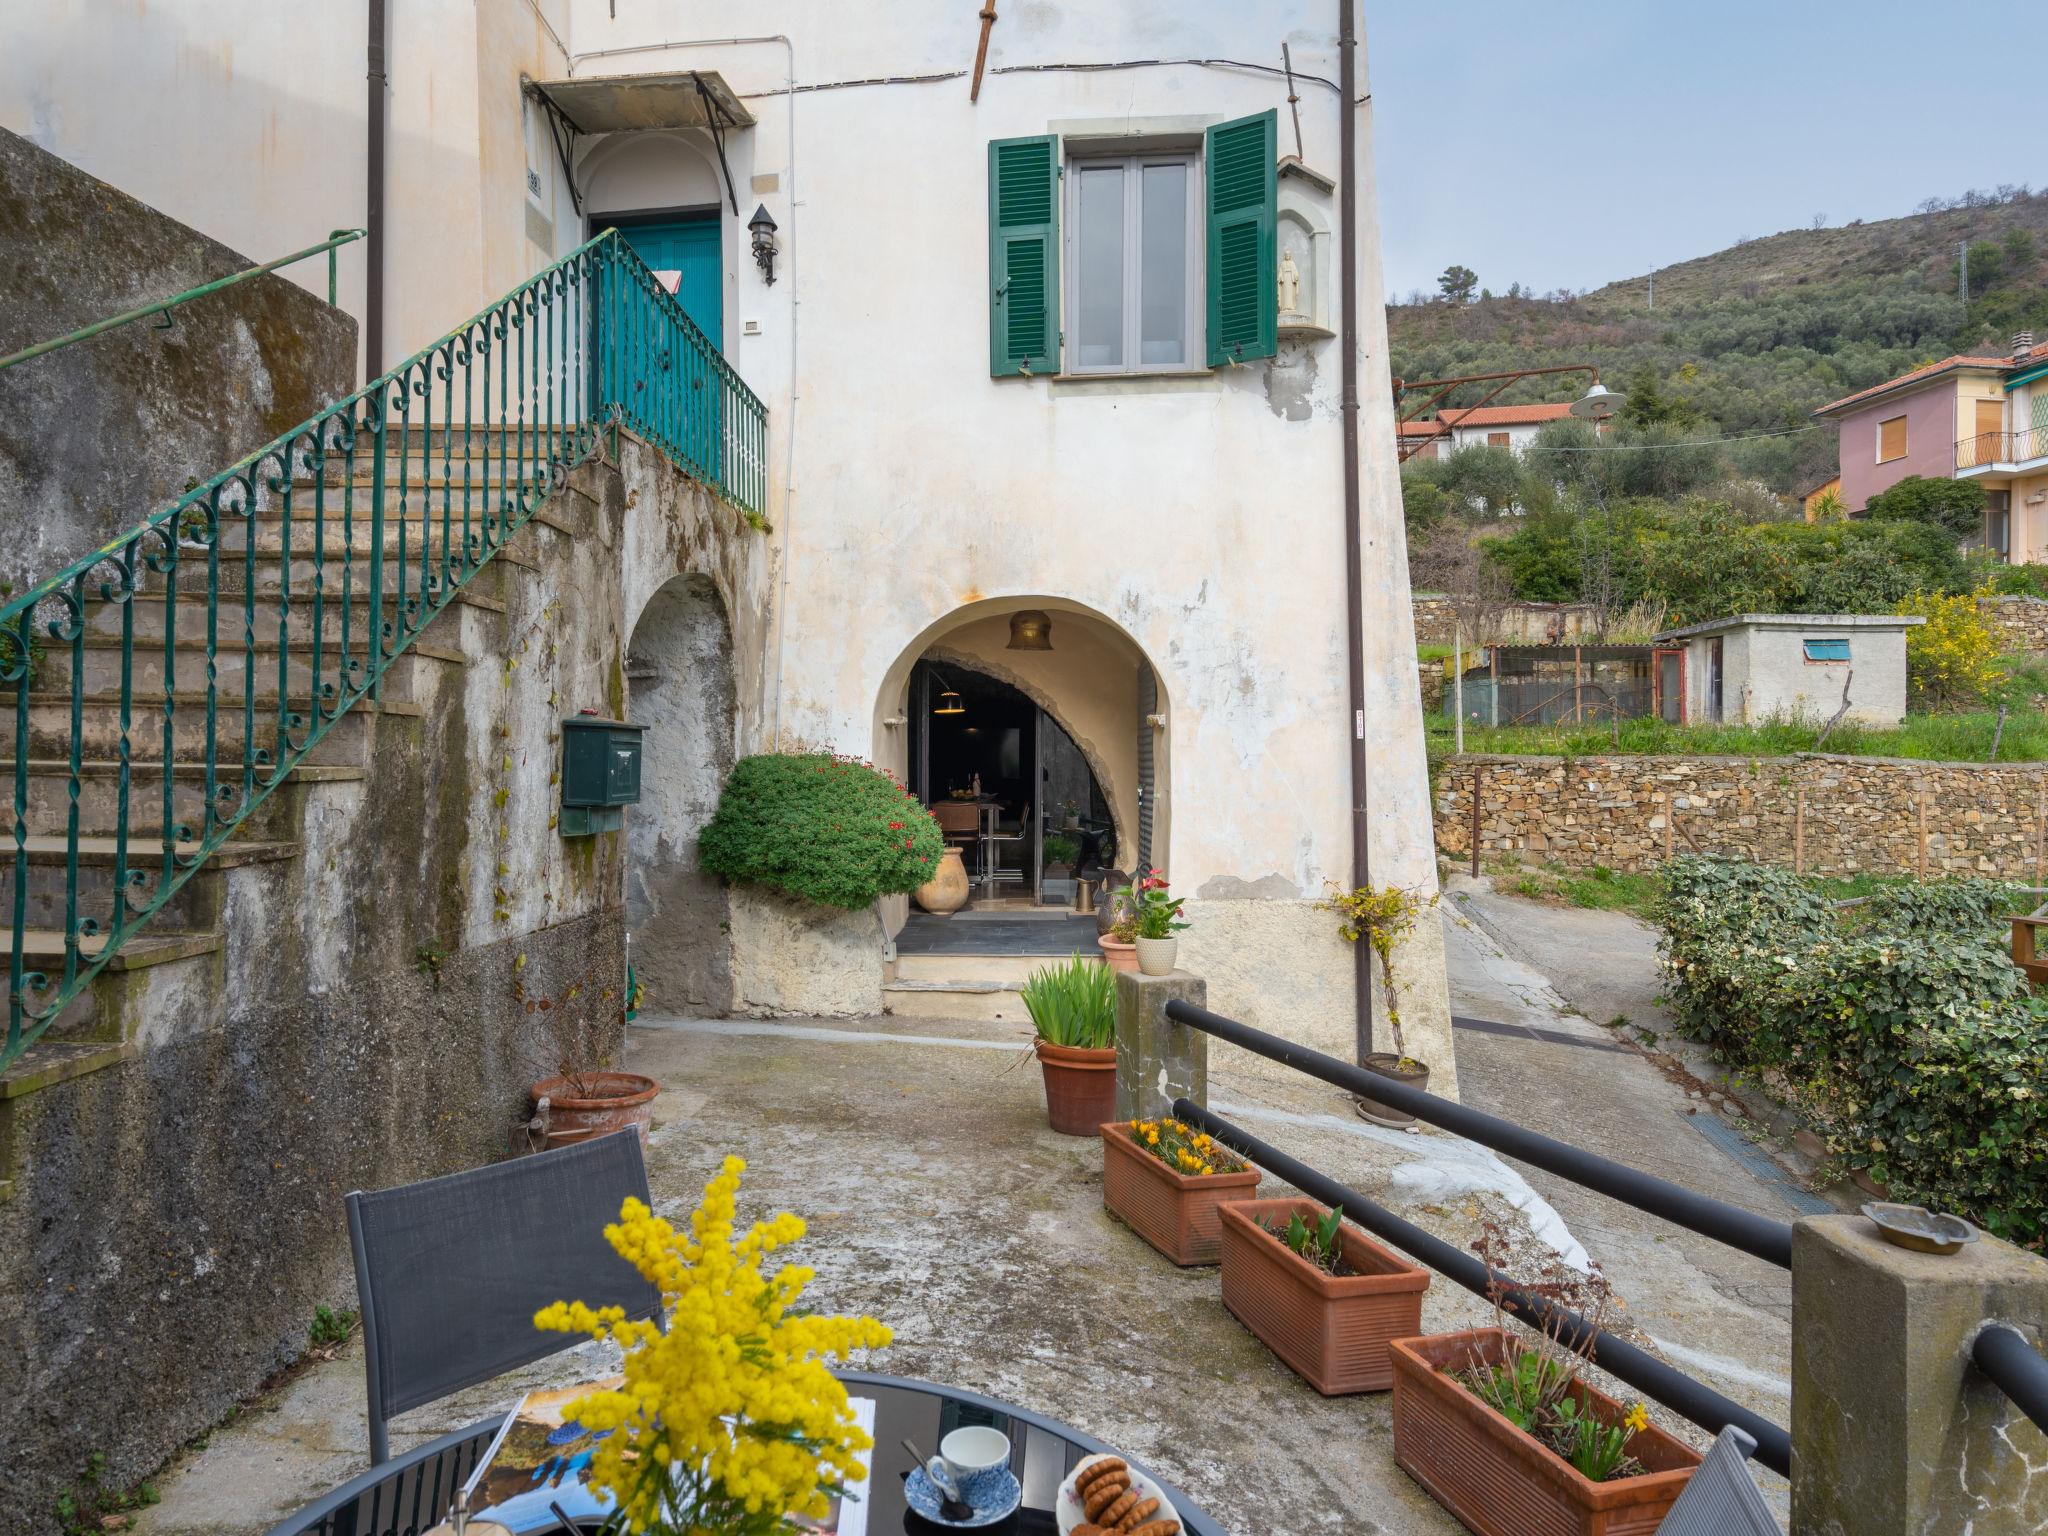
pixel 1102 1493
pixel 1123 1505
pixel 1088 1474
pixel 1089 1530
pixel 1138 1515
pixel 1158 1528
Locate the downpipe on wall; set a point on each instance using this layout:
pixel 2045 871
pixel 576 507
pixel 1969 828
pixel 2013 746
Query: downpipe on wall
pixel 373 217
pixel 1354 546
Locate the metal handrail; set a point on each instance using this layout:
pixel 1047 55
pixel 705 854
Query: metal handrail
pixel 1768 1240
pixel 1692 1400
pixel 339 237
pixel 2016 1368
pixel 415 482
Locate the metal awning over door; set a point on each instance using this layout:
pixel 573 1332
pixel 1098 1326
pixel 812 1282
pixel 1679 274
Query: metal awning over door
pixel 690 98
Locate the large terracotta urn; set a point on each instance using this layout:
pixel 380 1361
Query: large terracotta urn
pixel 946 891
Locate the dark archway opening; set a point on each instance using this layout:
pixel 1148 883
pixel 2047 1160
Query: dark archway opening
pixel 1010 787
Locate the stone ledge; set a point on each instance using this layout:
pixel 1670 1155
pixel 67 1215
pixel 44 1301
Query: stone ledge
pixel 47 1063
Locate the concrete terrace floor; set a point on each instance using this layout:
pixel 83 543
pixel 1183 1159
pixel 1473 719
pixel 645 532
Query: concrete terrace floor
pixel 939 1201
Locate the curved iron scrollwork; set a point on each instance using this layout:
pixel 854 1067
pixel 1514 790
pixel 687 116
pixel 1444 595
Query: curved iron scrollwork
pixel 255 611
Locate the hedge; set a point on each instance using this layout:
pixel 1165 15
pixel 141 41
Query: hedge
pixel 830 829
pixel 1900 1028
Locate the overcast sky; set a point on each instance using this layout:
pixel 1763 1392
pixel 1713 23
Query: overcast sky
pixel 1568 146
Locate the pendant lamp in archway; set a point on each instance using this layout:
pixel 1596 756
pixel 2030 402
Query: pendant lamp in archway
pixel 949 701
pixel 1030 630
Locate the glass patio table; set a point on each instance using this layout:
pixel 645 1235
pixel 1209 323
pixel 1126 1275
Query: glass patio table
pixel 411 1493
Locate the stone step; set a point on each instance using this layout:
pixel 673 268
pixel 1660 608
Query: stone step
pixel 106 619
pixel 107 1012
pixel 1007 970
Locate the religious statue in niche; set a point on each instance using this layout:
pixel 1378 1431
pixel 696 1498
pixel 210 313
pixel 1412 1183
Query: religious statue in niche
pixel 1290 284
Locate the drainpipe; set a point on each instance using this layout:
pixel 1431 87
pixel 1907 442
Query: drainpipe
pixel 1354 551
pixel 373 220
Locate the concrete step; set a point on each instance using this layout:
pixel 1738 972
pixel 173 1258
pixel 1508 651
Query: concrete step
pixel 117 1004
pixel 197 905
pixel 107 620
pixel 347 742
pixel 233 662
pixel 953 998
pixel 48 810
pixel 1009 970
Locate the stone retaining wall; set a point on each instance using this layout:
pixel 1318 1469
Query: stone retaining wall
pixel 2021 622
pixel 1820 813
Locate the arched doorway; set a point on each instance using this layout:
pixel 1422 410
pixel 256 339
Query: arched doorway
pixel 680 682
pixel 1088 708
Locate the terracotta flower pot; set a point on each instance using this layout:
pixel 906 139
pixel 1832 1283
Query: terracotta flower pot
pixel 1156 956
pixel 1118 957
pixel 1501 1481
pixel 1387 1064
pixel 1175 1212
pixel 1080 1086
pixel 627 1099
pixel 1333 1330
pixel 946 891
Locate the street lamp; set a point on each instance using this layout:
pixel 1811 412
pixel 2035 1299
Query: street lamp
pixel 1598 403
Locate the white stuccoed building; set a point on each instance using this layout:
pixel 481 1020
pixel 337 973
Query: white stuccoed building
pixel 1059 333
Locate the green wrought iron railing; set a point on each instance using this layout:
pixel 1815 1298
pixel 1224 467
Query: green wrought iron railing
pixel 230 632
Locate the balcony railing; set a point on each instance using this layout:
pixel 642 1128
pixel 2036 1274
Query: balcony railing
pixel 1982 448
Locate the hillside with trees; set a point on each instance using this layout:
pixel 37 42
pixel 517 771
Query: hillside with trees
pixel 1751 339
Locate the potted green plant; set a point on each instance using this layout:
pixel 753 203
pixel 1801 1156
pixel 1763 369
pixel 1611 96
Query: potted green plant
pixel 1157 921
pixel 1383 916
pixel 1504 1433
pixel 1117 926
pixel 1167 1182
pixel 1320 1294
pixel 1073 1007
pixel 1059 853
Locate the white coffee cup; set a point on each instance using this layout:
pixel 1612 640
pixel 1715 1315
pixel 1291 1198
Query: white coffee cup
pixel 975 1448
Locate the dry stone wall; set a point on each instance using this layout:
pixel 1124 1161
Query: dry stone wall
pixel 2020 622
pixel 1820 813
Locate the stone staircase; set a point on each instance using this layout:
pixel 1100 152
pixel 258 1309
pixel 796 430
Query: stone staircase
pixel 294 650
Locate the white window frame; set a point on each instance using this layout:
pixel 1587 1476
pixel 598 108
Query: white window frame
pixel 1195 353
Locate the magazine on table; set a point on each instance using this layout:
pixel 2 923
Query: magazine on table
pixel 541 1458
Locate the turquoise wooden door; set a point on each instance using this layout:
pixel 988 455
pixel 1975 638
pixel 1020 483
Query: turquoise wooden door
pixel 691 249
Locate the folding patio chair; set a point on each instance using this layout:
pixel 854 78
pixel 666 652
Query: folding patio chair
pixel 450 1271
pixel 1722 1499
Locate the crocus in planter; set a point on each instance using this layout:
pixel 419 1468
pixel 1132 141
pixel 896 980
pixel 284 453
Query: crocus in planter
pixel 1504 1434
pixel 1074 1008
pixel 1167 1182
pixel 1327 1304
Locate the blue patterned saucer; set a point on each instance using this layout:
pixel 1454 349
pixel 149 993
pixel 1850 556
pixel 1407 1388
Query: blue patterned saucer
pixel 994 1492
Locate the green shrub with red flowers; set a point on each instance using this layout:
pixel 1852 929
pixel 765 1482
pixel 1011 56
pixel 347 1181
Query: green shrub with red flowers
pixel 831 829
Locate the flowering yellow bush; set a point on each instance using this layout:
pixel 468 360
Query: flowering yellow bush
pixel 729 1420
pixel 1951 658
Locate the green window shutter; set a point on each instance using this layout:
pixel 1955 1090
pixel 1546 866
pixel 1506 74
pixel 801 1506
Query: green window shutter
pixel 1241 163
pixel 1024 255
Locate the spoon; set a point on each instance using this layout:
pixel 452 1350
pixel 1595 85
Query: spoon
pixel 952 1506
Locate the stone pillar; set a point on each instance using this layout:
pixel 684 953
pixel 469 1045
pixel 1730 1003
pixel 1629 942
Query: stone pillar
pixel 1157 1060
pixel 1893 1429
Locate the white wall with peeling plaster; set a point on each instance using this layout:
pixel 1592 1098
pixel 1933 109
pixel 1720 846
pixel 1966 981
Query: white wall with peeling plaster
pixel 1199 515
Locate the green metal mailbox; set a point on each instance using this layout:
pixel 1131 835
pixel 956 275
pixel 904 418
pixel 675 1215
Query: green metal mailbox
pixel 600 773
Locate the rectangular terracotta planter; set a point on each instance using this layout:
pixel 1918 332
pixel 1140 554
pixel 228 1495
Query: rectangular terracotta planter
pixel 1333 1330
pixel 1175 1213
pixel 1502 1482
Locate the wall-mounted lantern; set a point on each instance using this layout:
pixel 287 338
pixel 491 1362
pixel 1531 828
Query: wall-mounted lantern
pixel 1030 630
pixel 764 242
pixel 600 773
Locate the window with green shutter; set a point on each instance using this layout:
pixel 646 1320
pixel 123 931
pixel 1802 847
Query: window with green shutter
pixel 1023 255
pixel 1242 173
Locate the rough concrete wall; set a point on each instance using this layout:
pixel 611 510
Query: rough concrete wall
pixel 1827 814
pixel 1436 621
pixel 172 1220
pixel 679 671
pixel 95 437
pixel 793 958
pixel 1778 679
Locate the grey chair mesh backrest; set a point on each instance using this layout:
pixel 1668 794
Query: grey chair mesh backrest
pixel 450 1271
pixel 1722 1499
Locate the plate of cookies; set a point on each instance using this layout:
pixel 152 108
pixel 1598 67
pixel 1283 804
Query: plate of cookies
pixel 1105 1496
